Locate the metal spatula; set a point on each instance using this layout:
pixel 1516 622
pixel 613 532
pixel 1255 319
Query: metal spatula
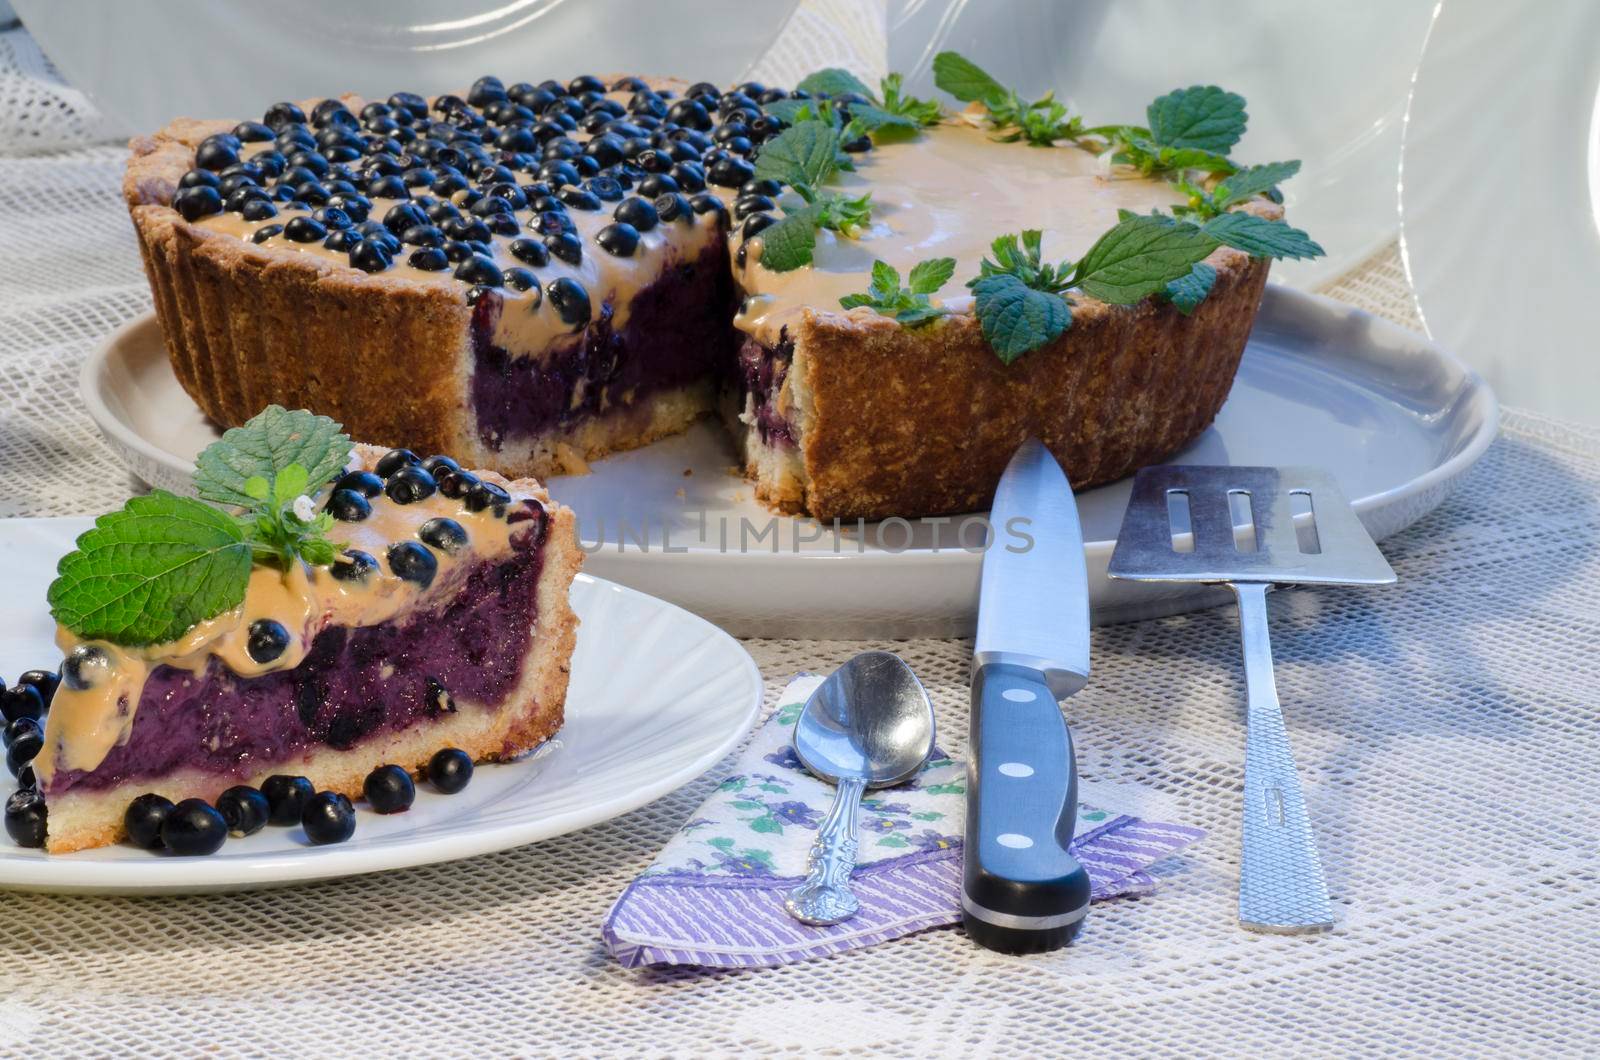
pixel 1239 526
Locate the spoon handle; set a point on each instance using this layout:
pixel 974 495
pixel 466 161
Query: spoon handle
pixel 824 897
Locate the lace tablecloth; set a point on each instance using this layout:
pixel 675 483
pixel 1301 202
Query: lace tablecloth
pixel 1447 731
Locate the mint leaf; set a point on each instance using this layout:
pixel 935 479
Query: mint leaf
pixel 278 533
pixel 895 101
pixel 873 119
pixel 790 243
pixel 1017 319
pixel 834 81
pixel 928 276
pixel 841 214
pixel 792 111
pixel 1202 116
pixel 1254 181
pixel 803 155
pixel 1187 292
pixel 964 79
pixel 908 305
pixel 272 440
pixel 147 573
pixel 1140 256
pixel 1260 237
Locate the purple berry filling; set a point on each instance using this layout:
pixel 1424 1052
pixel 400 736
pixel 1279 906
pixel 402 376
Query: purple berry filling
pixel 678 331
pixel 761 372
pixel 473 645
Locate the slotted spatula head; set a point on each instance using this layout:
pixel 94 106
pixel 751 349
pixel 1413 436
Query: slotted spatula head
pixel 1241 527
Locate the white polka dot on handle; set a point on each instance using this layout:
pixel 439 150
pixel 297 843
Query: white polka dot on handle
pixel 1013 840
pixel 1019 695
pixel 1016 769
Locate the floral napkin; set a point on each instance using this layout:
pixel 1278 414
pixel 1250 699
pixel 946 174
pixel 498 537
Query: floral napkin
pixel 714 896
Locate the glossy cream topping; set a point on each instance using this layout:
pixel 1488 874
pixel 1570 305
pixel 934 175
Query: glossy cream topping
pixel 85 724
pixel 948 193
pixel 528 323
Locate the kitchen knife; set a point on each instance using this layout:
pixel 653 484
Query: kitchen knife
pixel 1021 891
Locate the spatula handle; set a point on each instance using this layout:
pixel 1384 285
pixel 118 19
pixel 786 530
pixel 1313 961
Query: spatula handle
pixel 1281 887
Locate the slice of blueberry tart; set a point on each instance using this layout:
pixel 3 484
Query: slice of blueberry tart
pixel 332 612
pixel 882 297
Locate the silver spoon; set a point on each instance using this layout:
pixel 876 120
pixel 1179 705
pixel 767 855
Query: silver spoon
pixel 869 725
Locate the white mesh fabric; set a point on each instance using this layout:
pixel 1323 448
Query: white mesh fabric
pixel 1445 728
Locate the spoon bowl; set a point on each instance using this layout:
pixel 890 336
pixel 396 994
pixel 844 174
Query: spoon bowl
pixel 869 725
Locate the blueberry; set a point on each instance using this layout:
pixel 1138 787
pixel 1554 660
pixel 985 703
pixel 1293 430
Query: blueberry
pixel 607 189
pixel 389 789
pixel 286 797
pixel 455 484
pixel 412 562
pixel 44 680
pixel 259 210
pixel 410 484
pixel 423 235
pixel 619 239
pixel 217 152
pixel 704 90
pixel 479 270
pixel 439 700
pixel 637 212
pixel 193 828
pixel 585 83
pixel 730 172
pixel 85 666
pixel 520 279
pixel 690 176
pixel 370 255
pixel 200 178
pixel 393 461
pixel 27 779
pixel 656 185
pixel 580 198
pixel 708 203
pixel 483 494
pixel 21 701
pixel 24 749
pixel 750 202
pixel 674 207
pixel 569 248
pixel 446 535
pixel 15 730
pixel 25 818
pixel 266 640
pixel 244 809
pixel 690 113
pixel 328 817
pixel 387 187
pixel 197 202
pixel 266 232
pixel 363 482
pixel 353 565
pixel 252 132
pixel 429 259
pixel 343 241
pixel 450 770
pixel 755 223
pixel 305 230
pixel 143 820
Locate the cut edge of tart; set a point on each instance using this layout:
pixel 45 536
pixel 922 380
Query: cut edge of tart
pixel 463 641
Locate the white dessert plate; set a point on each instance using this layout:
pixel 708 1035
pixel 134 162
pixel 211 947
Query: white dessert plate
pixel 1500 198
pixel 145 65
pixel 1393 416
pixel 658 696
pixel 1326 83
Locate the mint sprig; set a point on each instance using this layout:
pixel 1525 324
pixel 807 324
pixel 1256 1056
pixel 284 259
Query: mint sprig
pixel 805 156
pixel 1261 238
pixel 1040 122
pixel 887 113
pixel 148 572
pixel 271 441
pixel 1022 302
pixel 1238 187
pixel 908 305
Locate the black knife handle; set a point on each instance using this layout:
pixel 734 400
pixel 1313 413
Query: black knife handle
pixel 1021 891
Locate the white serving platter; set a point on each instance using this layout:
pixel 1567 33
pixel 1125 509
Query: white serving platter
pixel 1500 197
pixel 658 696
pixel 1393 417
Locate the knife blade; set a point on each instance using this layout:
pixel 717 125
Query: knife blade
pixel 1022 892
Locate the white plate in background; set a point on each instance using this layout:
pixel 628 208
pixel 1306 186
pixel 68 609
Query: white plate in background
pixel 1501 197
pixel 1391 415
pixel 657 697
pixel 1325 82
pixel 145 64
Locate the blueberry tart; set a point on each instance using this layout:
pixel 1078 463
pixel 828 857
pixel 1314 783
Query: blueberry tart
pixel 532 276
pixel 262 638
